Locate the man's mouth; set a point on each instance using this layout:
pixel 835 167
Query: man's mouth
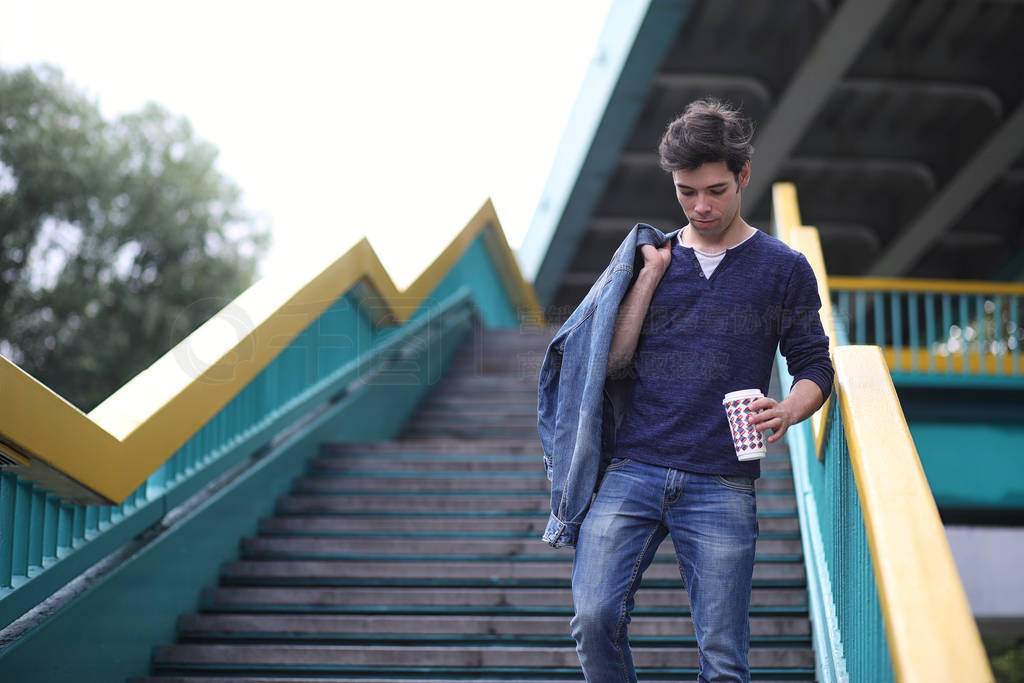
pixel 702 222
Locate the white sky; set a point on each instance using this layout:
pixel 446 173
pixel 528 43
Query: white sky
pixel 393 120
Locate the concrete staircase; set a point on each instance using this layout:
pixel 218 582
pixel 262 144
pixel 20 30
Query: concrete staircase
pixel 420 560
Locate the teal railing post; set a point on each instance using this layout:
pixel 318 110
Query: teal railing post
pixel 862 317
pixel 1015 320
pixel 965 323
pixel 896 313
pixel 947 327
pixel 930 336
pixel 981 308
pixel 8 493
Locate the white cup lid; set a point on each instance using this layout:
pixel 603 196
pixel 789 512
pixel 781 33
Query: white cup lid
pixel 742 393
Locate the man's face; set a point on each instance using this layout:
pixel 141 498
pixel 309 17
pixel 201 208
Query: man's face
pixel 710 196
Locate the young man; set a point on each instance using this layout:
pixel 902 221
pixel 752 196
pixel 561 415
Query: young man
pixel 703 317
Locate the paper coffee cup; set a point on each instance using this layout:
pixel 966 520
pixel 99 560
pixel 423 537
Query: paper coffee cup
pixel 749 442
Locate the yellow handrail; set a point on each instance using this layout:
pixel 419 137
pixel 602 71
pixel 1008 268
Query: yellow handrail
pixel 931 632
pixel 924 286
pixel 103 456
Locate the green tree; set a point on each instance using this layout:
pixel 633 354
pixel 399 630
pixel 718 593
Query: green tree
pixel 117 238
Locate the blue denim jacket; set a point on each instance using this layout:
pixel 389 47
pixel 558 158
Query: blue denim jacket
pixel 574 399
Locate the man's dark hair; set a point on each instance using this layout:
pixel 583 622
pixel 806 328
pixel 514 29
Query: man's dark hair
pixel 707 131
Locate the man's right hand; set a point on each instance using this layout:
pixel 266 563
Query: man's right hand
pixel 657 259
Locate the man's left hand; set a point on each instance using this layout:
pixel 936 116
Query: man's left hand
pixel 804 398
pixel 773 415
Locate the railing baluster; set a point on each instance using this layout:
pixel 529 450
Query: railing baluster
pixel 999 332
pixel 77 524
pixel 22 529
pixel 92 519
pixel 979 303
pixel 947 325
pixel 862 317
pixel 1015 319
pixel 915 341
pixel 37 528
pixel 8 492
pixel 50 526
pixel 965 323
pixel 843 308
pixel 65 524
pixel 929 323
pixel 896 314
pixel 880 319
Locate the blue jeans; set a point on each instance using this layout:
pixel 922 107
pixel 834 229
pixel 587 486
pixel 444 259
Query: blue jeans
pixel 713 523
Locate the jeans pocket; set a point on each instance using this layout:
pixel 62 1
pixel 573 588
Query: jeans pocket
pixel 736 482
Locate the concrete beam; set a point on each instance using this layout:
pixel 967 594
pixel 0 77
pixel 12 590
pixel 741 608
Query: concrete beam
pixel 953 200
pixel 818 75
pixel 715 82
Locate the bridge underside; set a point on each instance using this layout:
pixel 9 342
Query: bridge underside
pixel 900 122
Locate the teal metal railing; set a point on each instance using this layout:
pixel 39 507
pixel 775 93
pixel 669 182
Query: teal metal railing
pixel 842 589
pixel 885 598
pixel 944 331
pixel 45 542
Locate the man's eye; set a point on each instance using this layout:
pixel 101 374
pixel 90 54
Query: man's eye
pixel 718 193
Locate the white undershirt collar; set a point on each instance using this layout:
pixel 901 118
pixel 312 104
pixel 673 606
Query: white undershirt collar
pixel 708 262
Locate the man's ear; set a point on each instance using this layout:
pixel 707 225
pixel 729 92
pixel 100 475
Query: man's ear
pixel 744 177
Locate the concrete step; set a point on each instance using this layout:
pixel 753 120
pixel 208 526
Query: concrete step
pixel 490 401
pixel 327 658
pixel 421 462
pixel 394 482
pixel 450 526
pixel 451 571
pixel 518 377
pixel 516 389
pixel 306 547
pixel 522 421
pixel 768 602
pixel 412 451
pixel 471 410
pixel 495 478
pixel 410 504
pixel 470 432
pixel 480 446
pixel 406 628
pixel 313 546
pixel 346 500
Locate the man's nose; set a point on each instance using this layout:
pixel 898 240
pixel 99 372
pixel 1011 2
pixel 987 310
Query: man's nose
pixel 702 205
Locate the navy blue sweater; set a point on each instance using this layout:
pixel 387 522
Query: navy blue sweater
pixel 704 337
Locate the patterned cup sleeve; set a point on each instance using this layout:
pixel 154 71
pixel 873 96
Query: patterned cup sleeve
pixel 744 436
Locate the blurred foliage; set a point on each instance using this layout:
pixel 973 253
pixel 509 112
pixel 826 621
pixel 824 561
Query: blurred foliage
pixel 1006 654
pixel 117 238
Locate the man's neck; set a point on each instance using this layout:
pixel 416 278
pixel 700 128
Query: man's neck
pixel 737 232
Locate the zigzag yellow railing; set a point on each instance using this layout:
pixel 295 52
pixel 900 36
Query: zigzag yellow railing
pixel 103 456
pixel 930 630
